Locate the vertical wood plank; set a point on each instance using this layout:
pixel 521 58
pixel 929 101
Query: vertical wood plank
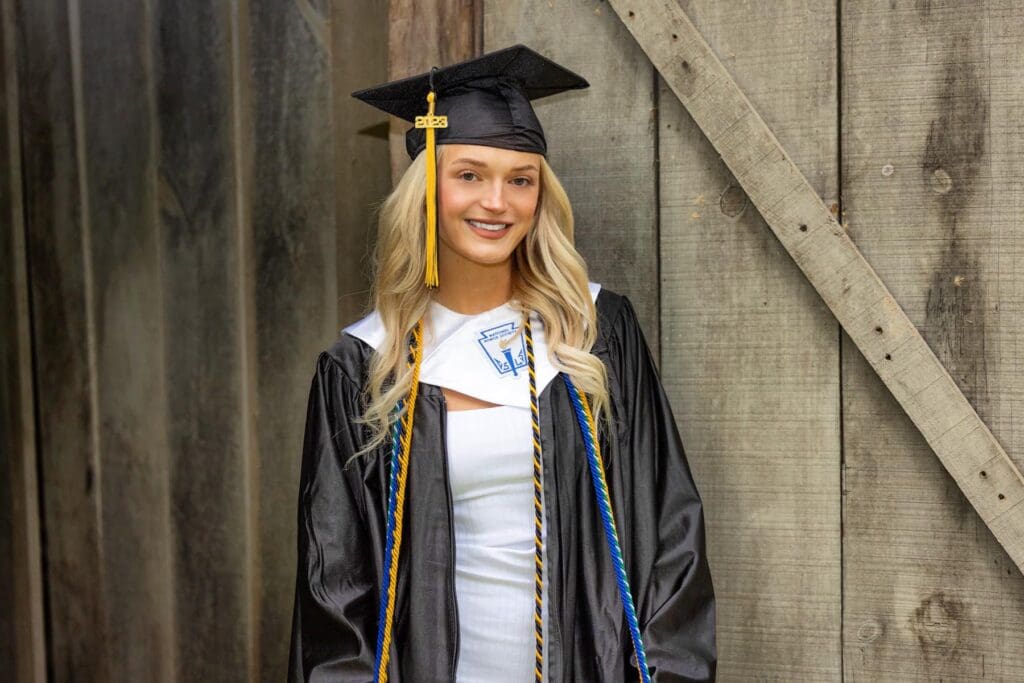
pixel 750 352
pixel 203 329
pixel 122 246
pixel 932 151
pixel 295 279
pixel 22 639
pixel 61 323
pixel 422 34
pixel 359 58
pixel 601 141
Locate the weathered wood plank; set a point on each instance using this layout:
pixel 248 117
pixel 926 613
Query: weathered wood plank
pixel 359 58
pixel 820 246
pixel 933 150
pixel 202 269
pixel 288 198
pixel 601 141
pixel 422 34
pixel 750 351
pixel 22 641
pixel 122 247
pixel 61 293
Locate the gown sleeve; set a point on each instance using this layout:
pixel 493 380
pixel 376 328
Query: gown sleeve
pixel 334 617
pixel 676 601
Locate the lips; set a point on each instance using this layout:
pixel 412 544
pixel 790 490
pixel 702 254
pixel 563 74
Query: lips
pixel 487 225
pixel 489 233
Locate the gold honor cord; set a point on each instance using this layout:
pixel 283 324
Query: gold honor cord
pixel 404 447
pixel 430 122
pixel 538 509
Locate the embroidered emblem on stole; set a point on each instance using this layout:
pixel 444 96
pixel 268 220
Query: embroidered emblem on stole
pixel 504 360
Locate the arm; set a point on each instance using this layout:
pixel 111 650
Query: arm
pixel 674 593
pixel 334 618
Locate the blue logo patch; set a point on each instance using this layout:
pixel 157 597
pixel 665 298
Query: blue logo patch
pixel 509 359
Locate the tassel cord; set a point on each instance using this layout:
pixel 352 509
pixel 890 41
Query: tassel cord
pixel 396 505
pixel 587 426
pixel 538 509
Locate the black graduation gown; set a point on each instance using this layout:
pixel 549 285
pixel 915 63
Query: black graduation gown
pixel 659 515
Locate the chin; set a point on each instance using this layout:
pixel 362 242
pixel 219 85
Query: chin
pixel 488 258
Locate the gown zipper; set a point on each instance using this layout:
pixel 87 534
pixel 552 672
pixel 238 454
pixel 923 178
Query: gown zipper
pixel 451 532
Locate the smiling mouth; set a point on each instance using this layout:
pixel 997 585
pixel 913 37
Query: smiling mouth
pixel 491 227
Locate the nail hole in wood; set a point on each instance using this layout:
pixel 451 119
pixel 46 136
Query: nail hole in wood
pixel 888 357
pixel 984 473
pixel 803 228
pixel 631 15
pixel 878 330
pixel 1001 496
pixel 675 37
pixel 686 65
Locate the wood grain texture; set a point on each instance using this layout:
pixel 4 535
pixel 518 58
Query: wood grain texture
pixel 22 638
pixel 122 247
pixel 62 328
pixel 932 161
pixel 294 275
pixel 750 352
pixel 202 265
pixel 601 140
pixel 423 34
pixel 363 177
pixel 830 260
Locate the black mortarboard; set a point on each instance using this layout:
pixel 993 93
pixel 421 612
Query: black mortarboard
pixel 486 99
pixel 481 101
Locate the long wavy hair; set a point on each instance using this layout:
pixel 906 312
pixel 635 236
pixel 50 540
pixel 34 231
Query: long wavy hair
pixel 550 277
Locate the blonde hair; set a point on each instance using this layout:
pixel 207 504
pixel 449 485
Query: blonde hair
pixel 550 277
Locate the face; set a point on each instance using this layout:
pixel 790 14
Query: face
pixel 487 201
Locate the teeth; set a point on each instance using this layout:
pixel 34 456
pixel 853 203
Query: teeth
pixel 493 227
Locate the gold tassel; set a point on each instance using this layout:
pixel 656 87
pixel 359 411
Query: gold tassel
pixel 430 122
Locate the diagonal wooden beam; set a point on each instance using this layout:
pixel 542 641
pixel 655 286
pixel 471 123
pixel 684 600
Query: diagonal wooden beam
pixel 834 266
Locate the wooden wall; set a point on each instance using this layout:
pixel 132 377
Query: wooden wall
pixel 188 195
pixel 933 156
pixel 198 194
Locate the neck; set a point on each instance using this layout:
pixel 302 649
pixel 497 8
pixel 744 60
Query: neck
pixel 470 288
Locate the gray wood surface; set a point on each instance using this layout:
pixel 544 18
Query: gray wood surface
pixel 186 168
pixel 933 156
pixel 359 57
pixel 601 140
pixel 63 333
pixel 117 157
pixel 750 352
pixel 209 458
pixel 294 281
pixel 22 639
pixel 833 264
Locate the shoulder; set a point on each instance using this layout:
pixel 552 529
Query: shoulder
pixel 615 314
pixel 350 353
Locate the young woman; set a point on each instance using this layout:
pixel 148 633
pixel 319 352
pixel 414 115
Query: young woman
pixel 493 487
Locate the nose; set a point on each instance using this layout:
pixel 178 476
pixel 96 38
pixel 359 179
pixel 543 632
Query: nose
pixel 494 197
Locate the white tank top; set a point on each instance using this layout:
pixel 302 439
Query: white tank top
pixel 490 464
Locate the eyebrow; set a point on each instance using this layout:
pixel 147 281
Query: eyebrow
pixel 480 164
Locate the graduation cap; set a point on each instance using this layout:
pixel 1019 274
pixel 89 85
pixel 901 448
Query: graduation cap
pixel 481 101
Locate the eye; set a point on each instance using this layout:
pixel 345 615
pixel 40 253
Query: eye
pixel 526 181
pixel 467 175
